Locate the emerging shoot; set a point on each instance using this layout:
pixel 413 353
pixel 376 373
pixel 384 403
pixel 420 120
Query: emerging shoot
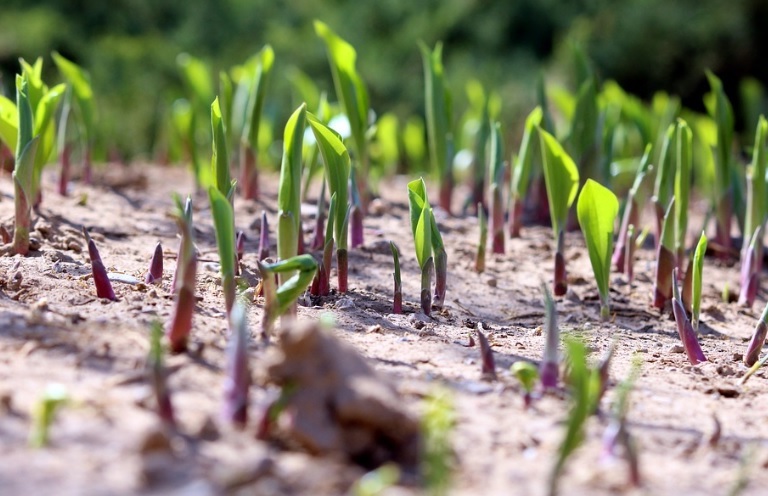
pixel 100 277
pixel 665 260
pixel 549 369
pixel 698 269
pixel 482 244
pixel 397 305
pixel 758 340
pixel 278 300
pixel 238 375
pixel 158 374
pixel 684 328
pixel 155 272
pixel 185 279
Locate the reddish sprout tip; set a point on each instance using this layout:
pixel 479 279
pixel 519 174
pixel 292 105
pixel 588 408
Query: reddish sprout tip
pixel 100 277
pixel 561 281
pixel 488 369
pixel 5 235
pixel 356 227
pixel 155 273
pixel 264 237
pixel 238 375
pixel 684 328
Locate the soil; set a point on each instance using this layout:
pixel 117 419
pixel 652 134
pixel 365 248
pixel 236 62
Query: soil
pixel 698 431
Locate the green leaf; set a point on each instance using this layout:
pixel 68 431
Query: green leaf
pixel 522 166
pixel 583 130
pixel 220 159
pixel 224 224
pixel 756 191
pixel 597 210
pixel 80 81
pixel 665 176
pixel 497 155
pixel 26 124
pixel 561 177
pixel 289 188
pixel 197 77
pixel 279 300
pixel 349 86
pixel 423 237
pixel 9 123
pixel 698 268
pixel 260 78
pixel 45 127
pixel 337 169
pixel 684 139
pixel 395 260
pixel 438 108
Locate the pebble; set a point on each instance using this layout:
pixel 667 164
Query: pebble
pixel 344 304
pixel 737 357
pixel 491 281
pixel 676 348
pixel 417 320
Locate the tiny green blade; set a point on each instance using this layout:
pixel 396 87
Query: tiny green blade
pixel 422 237
pixel 80 81
pixel 684 139
pixel 438 106
pixel 224 224
pixel 220 158
pixel 261 76
pixel 522 169
pixel 698 269
pixel 9 123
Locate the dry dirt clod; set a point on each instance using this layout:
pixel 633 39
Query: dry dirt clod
pixel 676 348
pixel 338 404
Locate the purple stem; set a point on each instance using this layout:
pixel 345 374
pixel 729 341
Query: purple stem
pixel 684 327
pixel 155 273
pixel 100 278
pixel 488 369
pixel 264 237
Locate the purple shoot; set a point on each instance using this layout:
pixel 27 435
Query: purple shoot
pixel 100 278
pixel 264 237
pixel 238 375
pixel 488 369
pixel 750 269
pixel 356 227
pixel 629 254
pixel 561 277
pixel 665 260
pixel 758 339
pixel 549 368
pixel 318 237
pixel 155 273
pixel 684 327
pixel 65 170
pixel 397 305
pixel 185 280
pixel 240 246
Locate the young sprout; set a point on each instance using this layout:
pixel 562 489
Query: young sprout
pixel 238 375
pixel 696 280
pixel 321 285
pixel 278 300
pixel 585 385
pixel 720 110
pixel 758 339
pixel 752 249
pixel 684 328
pixel 479 160
pixel 289 191
pixel 240 246
pixel 684 159
pixel 481 245
pixel 337 171
pixel 264 237
pixel 261 67
pixel 522 170
pixel 80 82
pixel 549 368
pixel 497 183
pixel 24 171
pixel 597 209
pixel 318 236
pixel 54 397
pixel 155 272
pixel 100 277
pixel 157 375
pixel 617 433
pixel 488 368
pixel 220 157
pixel 629 254
pixel 430 251
pixel 224 223
pixel 528 375
pixel 438 111
pixel 185 280
pixel 437 424
pixel 665 260
pixel 664 187
pixel 562 181
pixel 397 305
pixel 632 207
pixel 355 213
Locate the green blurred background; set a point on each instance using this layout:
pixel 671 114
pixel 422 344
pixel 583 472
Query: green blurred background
pixel 130 48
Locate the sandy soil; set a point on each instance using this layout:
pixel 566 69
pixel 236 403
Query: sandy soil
pixel 53 329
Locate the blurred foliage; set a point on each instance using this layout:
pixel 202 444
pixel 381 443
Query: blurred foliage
pixel 130 48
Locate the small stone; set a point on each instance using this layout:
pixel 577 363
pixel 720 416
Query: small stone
pixel 491 281
pixel 377 207
pixel 345 304
pixel 676 348
pixel 34 244
pixel 374 329
pixel 74 246
pixel 737 357
pixel 6 401
pixel 417 320
pixel 728 391
pixel 155 441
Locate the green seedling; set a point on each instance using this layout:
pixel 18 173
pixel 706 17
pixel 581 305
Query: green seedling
pixel 696 280
pixel 221 179
pixel 521 171
pixel 238 375
pixel 549 369
pixel 497 185
pixel 437 424
pixel 528 375
pixel 397 305
pixel 562 181
pixel 430 251
pixel 482 244
pixel 337 172
pixel 279 299
pixel 597 209
pixel 585 391
pixel 582 136
pixel 722 113
pixel 85 108
pixel 437 98
pixel 289 190
pixel 318 234
pixel 684 160
pixel 158 374
pixel 224 224
pixel 24 173
pixel 54 397
pixel 184 280
pixel 664 188
pixel 754 222
pixel 632 209
pixel 665 259
pixel 261 70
